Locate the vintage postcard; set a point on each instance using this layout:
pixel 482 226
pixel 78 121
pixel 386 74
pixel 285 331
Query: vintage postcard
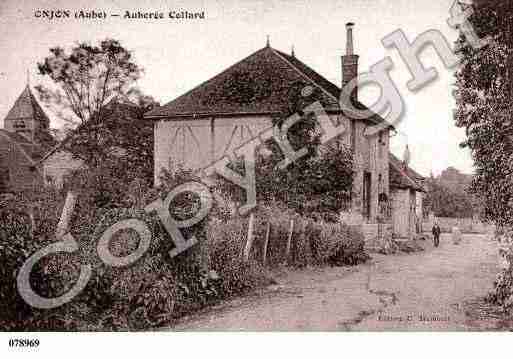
pixel 255 166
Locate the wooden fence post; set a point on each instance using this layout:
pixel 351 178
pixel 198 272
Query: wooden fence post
pixel 67 211
pixel 249 242
pixel 266 242
pixel 289 241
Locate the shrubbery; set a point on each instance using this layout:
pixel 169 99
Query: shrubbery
pixel 313 242
pixel 156 290
pixel 16 246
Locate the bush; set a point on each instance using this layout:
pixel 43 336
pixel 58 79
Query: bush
pixel 156 290
pixel 15 247
pixel 338 244
pixel 225 243
pixel 150 293
pixel 313 242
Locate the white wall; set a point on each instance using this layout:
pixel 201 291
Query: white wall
pixel 192 143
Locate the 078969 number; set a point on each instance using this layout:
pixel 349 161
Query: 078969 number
pixel 23 343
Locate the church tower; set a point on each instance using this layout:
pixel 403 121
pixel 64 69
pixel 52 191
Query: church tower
pixel 28 119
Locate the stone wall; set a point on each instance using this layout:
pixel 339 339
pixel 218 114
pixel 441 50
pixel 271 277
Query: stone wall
pixel 371 155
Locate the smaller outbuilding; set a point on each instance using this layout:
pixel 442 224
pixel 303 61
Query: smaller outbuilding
pixel 406 196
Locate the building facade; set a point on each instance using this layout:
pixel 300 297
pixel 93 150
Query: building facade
pixel 213 119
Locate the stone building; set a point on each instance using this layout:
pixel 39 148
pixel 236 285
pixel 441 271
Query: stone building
pixel 23 142
pixel 407 193
pixel 216 117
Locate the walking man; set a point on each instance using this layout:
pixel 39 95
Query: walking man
pixel 436 234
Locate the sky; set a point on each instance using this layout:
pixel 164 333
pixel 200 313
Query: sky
pixel 179 55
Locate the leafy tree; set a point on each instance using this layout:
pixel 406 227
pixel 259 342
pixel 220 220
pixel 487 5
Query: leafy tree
pixel 94 90
pixel 87 77
pixel 320 181
pixel 483 95
pixel 484 88
pixel 122 140
pixel 445 202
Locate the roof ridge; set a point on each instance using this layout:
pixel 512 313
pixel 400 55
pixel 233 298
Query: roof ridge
pixel 18 105
pixel 36 103
pixel 277 52
pixel 339 90
pixel 210 79
pixel 401 171
pixel 33 104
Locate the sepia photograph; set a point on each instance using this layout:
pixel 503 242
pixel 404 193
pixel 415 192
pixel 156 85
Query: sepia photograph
pixel 172 167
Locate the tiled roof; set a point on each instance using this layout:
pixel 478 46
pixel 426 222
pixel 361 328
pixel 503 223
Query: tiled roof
pixel 402 176
pixel 266 82
pixel 26 106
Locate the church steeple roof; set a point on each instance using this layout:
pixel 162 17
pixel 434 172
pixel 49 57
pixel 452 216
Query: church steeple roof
pixel 35 122
pixel 26 106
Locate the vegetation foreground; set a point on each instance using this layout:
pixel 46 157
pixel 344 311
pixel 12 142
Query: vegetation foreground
pixel 157 289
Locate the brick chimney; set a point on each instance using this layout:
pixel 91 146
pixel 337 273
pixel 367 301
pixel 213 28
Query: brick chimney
pixel 350 61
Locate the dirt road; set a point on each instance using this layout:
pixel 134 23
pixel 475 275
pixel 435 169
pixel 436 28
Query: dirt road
pixel 430 290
